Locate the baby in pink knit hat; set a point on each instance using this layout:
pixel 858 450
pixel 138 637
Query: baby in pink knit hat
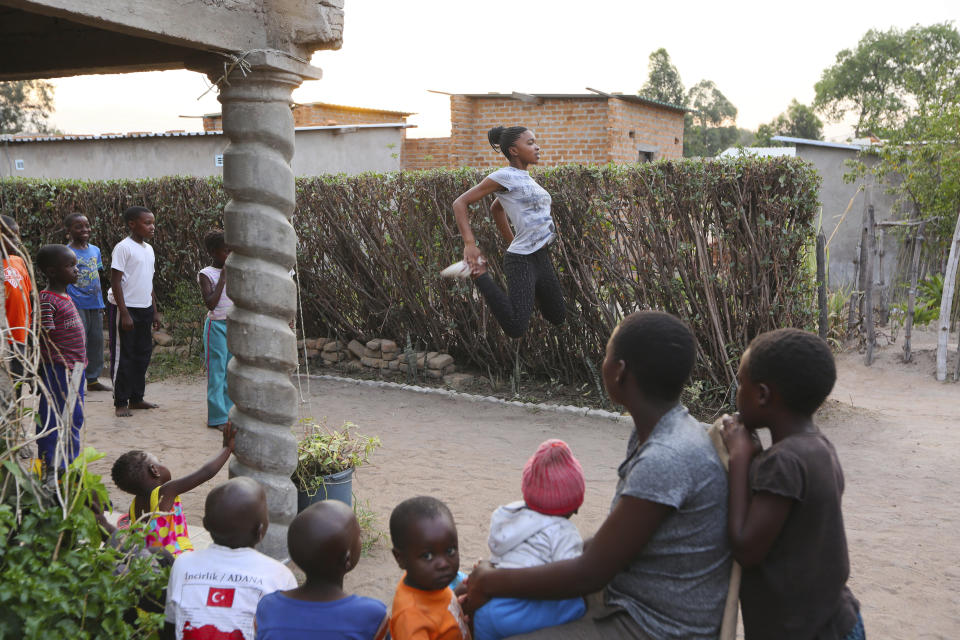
pixel 531 532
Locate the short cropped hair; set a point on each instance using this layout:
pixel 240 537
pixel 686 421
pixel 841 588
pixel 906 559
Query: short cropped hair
pixel 798 363
pixel 411 509
pixel 8 225
pixel 132 214
pixel 660 351
pixel 127 469
pixel 214 239
pixel 70 217
pixel 51 256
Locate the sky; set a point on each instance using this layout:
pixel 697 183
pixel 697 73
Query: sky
pixel 759 54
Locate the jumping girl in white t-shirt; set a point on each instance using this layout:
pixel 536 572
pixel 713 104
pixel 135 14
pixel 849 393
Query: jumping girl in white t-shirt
pixel 527 265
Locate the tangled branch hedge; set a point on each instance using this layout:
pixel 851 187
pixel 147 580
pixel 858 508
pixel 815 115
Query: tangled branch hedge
pixel 722 245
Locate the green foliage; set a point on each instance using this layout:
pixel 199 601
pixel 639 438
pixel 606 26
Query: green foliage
pixel 926 308
pixel 25 105
pixel 663 84
pixel 798 121
pixel 885 77
pixel 55 580
pixel 919 158
pixel 323 452
pixel 718 244
pixel 711 127
pixel 185 313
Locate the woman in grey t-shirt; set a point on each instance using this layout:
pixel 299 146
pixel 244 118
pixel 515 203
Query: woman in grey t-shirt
pixel 527 264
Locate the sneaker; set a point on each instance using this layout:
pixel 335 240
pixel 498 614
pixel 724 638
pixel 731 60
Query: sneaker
pixel 457 270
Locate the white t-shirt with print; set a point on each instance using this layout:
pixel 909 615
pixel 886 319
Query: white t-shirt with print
pixel 220 587
pixel 136 261
pixel 528 206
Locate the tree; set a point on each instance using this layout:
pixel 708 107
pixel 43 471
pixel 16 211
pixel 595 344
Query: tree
pixel 878 80
pixel 711 126
pixel 663 84
pixel 25 105
pixel 798 121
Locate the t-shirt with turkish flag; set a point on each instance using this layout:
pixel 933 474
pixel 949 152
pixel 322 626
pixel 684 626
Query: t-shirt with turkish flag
pixel 213 593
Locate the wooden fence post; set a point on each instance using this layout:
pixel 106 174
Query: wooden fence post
pixel 822 284
pixel 871 238
pixel 912 293
pixel 949 284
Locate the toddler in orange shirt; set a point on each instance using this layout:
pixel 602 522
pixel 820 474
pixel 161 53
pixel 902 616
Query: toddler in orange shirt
pixel 425 546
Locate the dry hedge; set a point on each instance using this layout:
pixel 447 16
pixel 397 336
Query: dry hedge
pixel 722 245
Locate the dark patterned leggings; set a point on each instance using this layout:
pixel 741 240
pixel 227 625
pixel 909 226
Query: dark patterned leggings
pixel 529 278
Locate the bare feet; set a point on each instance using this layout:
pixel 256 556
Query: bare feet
pixel 96 385
pixel 142 405
pixel 123 412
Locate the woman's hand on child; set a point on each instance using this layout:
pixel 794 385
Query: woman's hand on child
pixel 229 435
pixel 475 597
pixel 739 440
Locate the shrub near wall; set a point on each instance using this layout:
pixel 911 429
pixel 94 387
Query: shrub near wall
pixel 720 244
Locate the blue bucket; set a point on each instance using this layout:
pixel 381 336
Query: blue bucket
pixel 338 486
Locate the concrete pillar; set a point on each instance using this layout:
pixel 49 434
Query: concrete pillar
pixel 257 176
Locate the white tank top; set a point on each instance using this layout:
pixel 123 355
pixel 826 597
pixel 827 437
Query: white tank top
pixel 220 311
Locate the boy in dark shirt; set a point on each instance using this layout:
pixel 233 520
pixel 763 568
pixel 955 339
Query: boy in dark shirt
pixel 785 521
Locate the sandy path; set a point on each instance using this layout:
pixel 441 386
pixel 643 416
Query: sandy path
pixel 893 425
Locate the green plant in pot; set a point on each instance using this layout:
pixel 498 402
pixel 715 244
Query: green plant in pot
pixel 326 459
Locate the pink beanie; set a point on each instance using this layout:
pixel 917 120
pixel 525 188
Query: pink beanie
pixel 553 480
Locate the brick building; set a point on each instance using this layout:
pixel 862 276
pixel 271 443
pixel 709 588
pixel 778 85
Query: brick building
pixel 322 114
pixel 591 128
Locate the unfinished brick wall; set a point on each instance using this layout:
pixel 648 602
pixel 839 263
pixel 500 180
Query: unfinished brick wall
pixel 633 128
pixel 579 130
pixel 426 153
pixel 322 114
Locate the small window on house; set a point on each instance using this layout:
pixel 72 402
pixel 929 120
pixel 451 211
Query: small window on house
pixel 646 156
pixel 18 164
pixel 218 160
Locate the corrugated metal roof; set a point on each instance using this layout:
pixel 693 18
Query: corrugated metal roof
pixel 19 138
pixel 335 106
pixel 585 96
pixel 819 143
pixel 760 152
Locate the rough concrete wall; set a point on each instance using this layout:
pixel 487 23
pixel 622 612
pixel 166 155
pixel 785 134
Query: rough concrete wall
pixel 634 127
pixel 426 153
pixel 316 152
pixel 835 195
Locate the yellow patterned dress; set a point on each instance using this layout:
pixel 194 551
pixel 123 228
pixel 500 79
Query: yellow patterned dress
pixel 167 530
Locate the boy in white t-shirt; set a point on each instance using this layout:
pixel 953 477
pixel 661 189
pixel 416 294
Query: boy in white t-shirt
pixel 214 592
pixel 133 309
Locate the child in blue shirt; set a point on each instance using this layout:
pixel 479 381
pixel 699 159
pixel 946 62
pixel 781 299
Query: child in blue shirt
pixel 87 295
pixel 324 541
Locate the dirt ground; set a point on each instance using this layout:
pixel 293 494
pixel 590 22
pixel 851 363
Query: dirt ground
pixel 894 427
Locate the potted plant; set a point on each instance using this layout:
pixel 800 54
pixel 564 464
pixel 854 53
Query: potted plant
pixel 326 459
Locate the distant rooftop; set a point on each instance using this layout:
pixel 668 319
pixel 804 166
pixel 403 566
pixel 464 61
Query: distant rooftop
pixel 596 95
pixel 759 152
pixel 334 106
pixel 856 145
pixel 179 133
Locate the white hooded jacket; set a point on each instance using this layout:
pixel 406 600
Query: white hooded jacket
pixel 521 537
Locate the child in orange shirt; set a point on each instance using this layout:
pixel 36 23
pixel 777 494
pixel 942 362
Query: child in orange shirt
pixel 425 545
pixel 18 289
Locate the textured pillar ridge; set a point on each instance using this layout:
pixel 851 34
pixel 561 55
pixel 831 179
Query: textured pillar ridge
pixel 257 176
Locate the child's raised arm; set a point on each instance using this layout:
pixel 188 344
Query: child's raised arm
pixel 753 520
pixel 171 489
